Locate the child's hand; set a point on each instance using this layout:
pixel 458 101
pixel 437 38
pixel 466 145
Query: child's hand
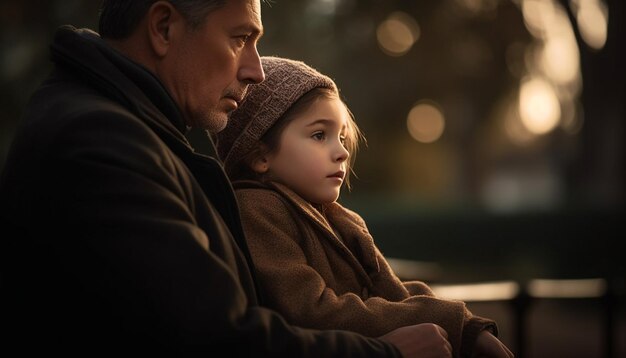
pixel 426 340
pixel 487 345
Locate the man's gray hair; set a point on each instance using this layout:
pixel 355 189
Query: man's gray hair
pixel 119 18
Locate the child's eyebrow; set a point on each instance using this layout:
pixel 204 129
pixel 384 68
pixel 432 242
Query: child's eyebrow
pixel 321 121
pixel 325 121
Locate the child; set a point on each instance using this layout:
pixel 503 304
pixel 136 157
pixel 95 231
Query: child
pixel 288 149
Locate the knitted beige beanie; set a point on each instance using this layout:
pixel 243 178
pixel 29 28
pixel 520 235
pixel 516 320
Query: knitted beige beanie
pixel 285 82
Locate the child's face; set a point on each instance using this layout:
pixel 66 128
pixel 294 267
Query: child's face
pixel 311 159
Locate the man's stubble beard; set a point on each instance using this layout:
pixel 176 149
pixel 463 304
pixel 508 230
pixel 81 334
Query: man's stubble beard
pixel 213 121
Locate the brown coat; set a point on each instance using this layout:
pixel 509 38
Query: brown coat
pixel 325 272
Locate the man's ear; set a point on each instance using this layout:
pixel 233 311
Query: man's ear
pixel 161 17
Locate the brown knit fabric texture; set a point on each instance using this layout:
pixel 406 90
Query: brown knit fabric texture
pixel 285 82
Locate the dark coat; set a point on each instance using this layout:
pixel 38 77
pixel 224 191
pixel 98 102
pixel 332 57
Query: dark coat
pixel 324 271
pixel 122 234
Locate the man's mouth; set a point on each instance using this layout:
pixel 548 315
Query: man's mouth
pixel 237 99
pixel 237 96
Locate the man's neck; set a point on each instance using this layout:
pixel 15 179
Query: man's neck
pixel 135 50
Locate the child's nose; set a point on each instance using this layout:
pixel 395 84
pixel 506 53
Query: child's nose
pixel 341 153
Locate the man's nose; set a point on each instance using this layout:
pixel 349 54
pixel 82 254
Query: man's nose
pixel 251 70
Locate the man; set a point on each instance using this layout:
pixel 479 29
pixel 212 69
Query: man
pixel 117 231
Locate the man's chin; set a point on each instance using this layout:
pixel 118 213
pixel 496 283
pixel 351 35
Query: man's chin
pixel 215 122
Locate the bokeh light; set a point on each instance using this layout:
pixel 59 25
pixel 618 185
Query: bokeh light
pixel 425 122
pixel 397 34
pixel 592 17
pixel 559 58
pixel 539 106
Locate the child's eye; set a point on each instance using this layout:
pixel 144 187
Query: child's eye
pixel 318 136
pixel 342 139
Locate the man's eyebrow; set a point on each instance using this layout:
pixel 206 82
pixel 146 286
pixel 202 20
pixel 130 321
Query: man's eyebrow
pixel 259 31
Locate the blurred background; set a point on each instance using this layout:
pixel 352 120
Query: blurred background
pixel 495 144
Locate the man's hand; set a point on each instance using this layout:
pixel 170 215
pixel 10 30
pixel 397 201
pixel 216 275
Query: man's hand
pixel 426 340
pixel 487 345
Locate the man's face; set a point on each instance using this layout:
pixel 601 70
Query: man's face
pixel 208 69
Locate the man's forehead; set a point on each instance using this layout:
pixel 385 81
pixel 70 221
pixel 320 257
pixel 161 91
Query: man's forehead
pixel 242 13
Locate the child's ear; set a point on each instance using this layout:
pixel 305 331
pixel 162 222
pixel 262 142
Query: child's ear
pixel 261 165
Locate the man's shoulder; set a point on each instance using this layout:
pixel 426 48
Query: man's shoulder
pixel 66 99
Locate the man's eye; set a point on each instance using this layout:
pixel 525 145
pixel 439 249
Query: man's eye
pixel 243 39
